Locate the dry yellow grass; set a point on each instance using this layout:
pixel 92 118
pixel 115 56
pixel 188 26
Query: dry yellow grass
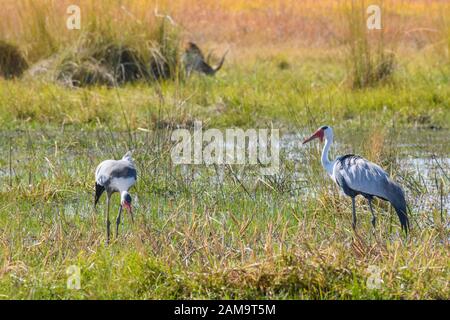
pixel 39 27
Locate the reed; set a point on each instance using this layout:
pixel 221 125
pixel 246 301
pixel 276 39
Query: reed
pixel 371 63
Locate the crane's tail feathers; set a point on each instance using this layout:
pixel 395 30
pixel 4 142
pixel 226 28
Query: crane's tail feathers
pixel 403 217
pixel 396 197
pixel 99 189
pixel 128 155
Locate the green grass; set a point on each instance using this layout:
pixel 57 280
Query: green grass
pixel 311 90
pixel 193 238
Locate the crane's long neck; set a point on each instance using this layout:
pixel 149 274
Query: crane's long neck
pixel 326 163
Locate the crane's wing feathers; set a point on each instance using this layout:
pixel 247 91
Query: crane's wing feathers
pixel 361 175
pixel 356 175
pixel 128 156
pixel 113 169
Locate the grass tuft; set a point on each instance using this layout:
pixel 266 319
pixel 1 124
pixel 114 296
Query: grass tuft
pixel 370 62
pixel 12 61
pixel 101 59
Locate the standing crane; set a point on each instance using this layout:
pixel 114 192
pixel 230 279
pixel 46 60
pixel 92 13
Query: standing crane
pixel 115 176
pixel 358 176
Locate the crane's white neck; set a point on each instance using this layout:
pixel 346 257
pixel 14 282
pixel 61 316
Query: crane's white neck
pixel 326 163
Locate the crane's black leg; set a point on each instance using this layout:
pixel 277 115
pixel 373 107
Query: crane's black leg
pixel 353 214
pixel 374 218
pixel 108 224
pixel 118 220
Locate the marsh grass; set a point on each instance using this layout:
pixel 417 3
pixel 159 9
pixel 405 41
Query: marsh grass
pixel 39 28
pixel 444 32
pixel 199 237
pixel 105 51
pixel 102 57
pixel 371 62
pixel 244 95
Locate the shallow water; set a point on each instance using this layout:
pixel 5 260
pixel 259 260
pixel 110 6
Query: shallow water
pixel 421 157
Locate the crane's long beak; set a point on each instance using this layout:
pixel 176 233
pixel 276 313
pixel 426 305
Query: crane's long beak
pixel 317 134
pixel 130 210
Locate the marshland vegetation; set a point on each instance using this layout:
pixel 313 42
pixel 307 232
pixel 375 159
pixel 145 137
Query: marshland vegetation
pixel 223 231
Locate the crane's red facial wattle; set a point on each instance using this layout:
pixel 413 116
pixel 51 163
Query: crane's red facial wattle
pixel 318 134
pixel 127 205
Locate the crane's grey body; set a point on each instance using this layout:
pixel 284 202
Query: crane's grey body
pixel 115 176
pixel 358 176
